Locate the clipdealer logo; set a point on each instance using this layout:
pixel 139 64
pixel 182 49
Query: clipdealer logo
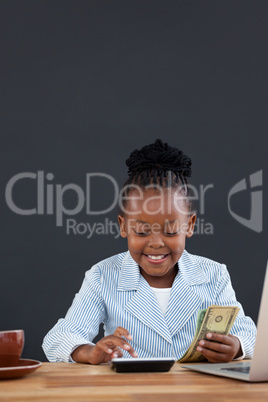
pixel 255 192
pixel 47 192
pixel 50 201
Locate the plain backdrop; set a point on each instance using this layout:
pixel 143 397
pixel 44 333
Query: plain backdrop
pixel 83 83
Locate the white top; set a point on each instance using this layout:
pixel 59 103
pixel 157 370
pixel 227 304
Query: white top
pixel 162 295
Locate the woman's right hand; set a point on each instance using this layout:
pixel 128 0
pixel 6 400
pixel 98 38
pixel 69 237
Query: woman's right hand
pixel 105 349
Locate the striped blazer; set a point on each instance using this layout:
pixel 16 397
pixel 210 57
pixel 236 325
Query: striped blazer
pixel 116 294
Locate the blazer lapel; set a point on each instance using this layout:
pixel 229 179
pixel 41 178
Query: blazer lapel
pixel 184 302
pixel 143 304
pixel 145 307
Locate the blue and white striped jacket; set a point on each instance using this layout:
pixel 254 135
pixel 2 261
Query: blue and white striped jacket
pixel 116 294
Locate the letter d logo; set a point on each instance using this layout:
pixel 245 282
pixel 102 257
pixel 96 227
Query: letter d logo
pixel 255 221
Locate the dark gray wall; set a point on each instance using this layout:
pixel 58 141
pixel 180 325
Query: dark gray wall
pixel 83 83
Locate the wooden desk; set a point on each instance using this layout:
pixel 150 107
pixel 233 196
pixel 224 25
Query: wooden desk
pixel 81 382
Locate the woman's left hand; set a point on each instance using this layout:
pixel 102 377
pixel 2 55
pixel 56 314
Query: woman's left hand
pixel 222 349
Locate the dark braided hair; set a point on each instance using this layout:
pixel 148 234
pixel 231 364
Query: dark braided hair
pixel 157 164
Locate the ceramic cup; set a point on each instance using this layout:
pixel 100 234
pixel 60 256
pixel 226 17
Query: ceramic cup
pixel 11 345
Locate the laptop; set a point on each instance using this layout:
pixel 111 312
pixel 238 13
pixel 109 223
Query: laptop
pixel 255 370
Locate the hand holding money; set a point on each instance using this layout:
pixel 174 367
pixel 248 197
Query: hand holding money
pixel 216 321
pixel 220 348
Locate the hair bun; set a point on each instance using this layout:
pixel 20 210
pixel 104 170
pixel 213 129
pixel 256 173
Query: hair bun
pixel 159 156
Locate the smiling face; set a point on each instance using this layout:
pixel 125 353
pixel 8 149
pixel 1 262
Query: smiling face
pixel 156 225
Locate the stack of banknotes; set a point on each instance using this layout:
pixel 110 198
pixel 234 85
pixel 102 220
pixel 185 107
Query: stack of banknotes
pixel 217 319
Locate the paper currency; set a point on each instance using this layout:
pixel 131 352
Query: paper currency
pixel 217 319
